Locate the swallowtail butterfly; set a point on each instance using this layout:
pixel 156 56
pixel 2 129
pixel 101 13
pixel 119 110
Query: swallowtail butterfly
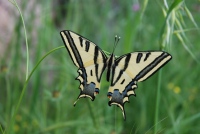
pixel 123 72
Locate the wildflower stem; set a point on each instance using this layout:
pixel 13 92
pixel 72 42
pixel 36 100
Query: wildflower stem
pixel 157 101
pixel 92 114
pixel 27 51
pixel 25 85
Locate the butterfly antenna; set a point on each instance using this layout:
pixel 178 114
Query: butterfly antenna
pixel 115 43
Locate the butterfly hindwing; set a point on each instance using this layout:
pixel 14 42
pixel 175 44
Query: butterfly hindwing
pixel 132 68
pixel 90 60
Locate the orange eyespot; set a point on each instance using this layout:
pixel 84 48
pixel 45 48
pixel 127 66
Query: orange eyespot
pixel 109 97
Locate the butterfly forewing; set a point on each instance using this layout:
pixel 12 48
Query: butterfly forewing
pixel 131 68
pixel 90 60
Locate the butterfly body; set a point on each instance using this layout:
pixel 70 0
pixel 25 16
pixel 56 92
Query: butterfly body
pixel 123 72
pixel 110 63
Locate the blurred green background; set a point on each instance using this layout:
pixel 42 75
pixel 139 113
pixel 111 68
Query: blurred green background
pixel 46 104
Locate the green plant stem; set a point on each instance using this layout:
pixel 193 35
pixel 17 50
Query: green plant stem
pixel 155 125
pixel 174 5
pixel 57 115
pixel 1 129
pixel 115 118
pixel 92 114
pixel 27 51
pixel 9 104
pixel 145 3
pixel 26 83
pixel 157 101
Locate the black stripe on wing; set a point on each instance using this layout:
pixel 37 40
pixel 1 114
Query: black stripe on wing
pixel 73 48
pixel 139 56
pixel 152 65
pixel 96 54
pixel 87 46
pixel 128 56
pixel 81 41
pixel 147 56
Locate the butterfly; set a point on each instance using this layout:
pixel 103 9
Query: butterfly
pixel 123 72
